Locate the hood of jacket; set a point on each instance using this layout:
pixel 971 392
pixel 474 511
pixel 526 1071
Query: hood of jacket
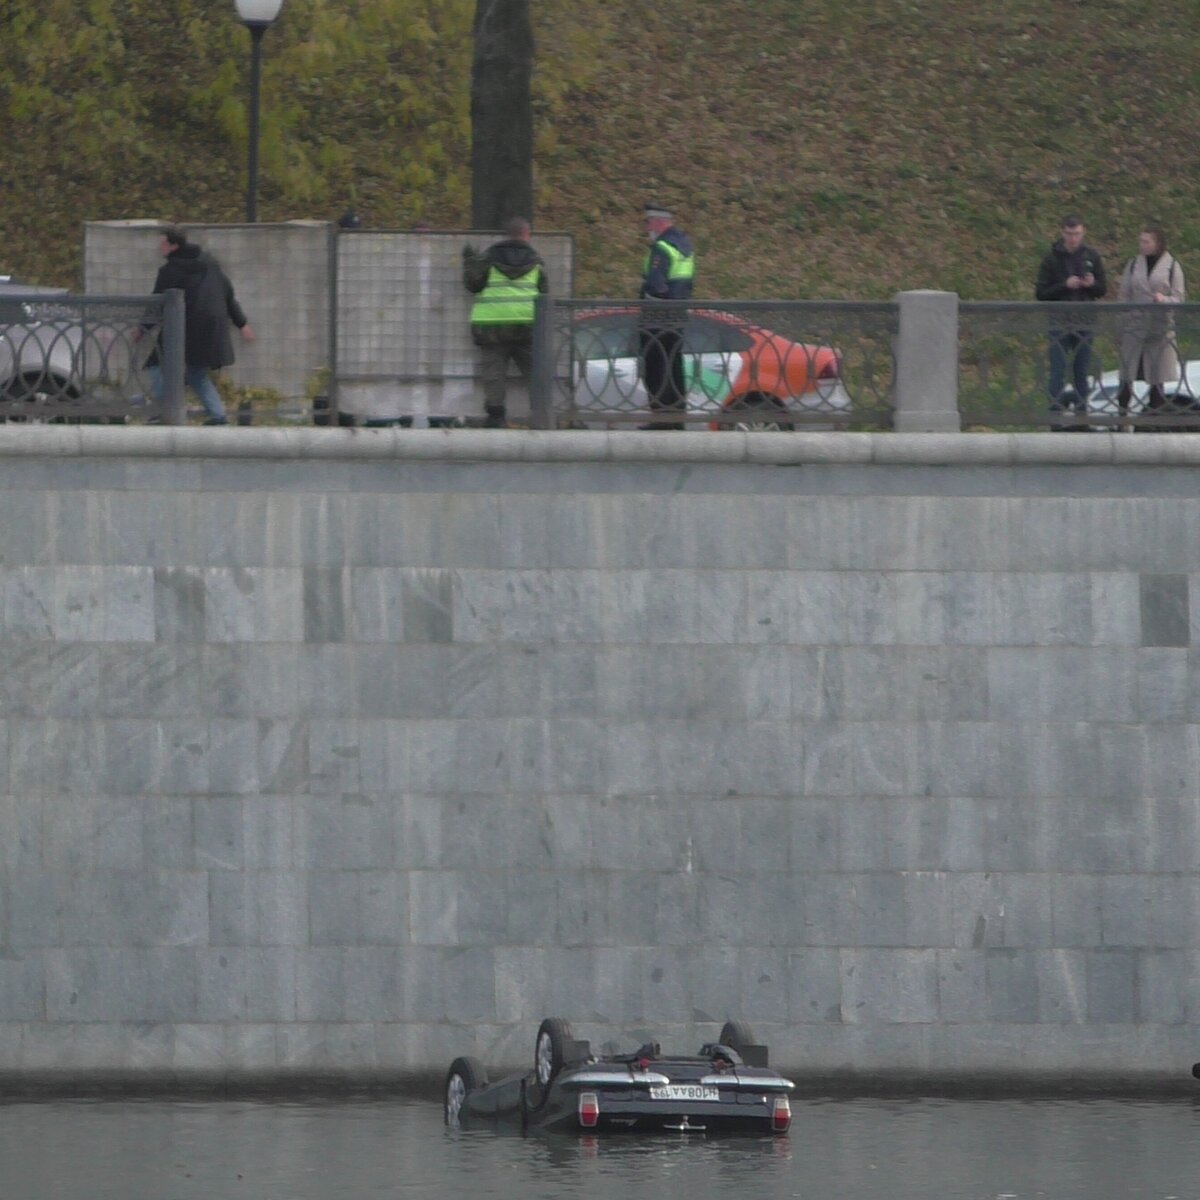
pixel 188 259
pixel 514 258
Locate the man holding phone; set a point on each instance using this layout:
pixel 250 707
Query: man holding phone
pixel 1072 271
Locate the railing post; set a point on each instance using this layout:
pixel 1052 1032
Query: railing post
pixel 927 363
pixel 333 250
pixel 541 380
pixel 172 358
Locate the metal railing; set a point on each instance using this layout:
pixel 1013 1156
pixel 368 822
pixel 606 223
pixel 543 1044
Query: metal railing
pixel 67 358
pixel 727 365
pixel 1079 366
pixel 784 365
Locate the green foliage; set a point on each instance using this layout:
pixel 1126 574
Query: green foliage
pixel 851 150
pixel 815 149
pixel 256 405
pixel 135 108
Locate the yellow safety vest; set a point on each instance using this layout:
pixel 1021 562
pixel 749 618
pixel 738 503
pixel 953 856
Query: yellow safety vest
pixel 681 266
pixel 506 301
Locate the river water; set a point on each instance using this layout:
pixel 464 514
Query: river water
pixel 893 1149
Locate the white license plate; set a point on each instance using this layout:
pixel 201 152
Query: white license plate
pixel 684 1091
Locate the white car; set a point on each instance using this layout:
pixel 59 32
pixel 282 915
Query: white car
pixel 1182 398
pixel 38 347
pixel 65 359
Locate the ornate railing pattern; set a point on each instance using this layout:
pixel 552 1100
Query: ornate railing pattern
pixel 1079 366
pixel 748 365
pixel 66 358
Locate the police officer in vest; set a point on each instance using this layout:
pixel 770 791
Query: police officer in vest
pixel 506 279
pixel 667 275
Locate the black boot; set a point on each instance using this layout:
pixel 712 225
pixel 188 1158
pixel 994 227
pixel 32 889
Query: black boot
pixel 494 417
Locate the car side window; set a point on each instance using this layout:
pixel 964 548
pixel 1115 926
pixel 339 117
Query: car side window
pixel 705 335
pixel 606 339
pixel 617 337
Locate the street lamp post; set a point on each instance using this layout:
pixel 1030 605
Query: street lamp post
pixel 258 16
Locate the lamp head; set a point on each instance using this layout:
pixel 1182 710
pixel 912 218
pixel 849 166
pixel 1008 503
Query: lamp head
pixel 258 12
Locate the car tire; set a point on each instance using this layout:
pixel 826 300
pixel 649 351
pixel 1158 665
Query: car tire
pixel 736 1034
pixel 549 1050
pixel 759 413
pixel 466 1075
pixel 43 391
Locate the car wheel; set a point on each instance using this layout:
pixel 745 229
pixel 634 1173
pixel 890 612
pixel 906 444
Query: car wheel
pixel 43 393
pixel 466 1075
pixel 736 1034
pixel 549 1049
pixel 758 413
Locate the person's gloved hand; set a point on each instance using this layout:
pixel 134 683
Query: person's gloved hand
pixel 469 252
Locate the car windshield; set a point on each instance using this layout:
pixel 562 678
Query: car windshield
pixel 616 336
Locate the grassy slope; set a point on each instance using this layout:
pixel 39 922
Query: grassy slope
pixel 813 148
pixel 822 149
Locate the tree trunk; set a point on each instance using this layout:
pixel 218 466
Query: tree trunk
pixel 501 114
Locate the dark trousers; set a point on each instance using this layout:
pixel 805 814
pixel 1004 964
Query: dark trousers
pixel 494 359
pixel 1155 398
pixel 662 373
pixel 1156 401
pixel 1070 349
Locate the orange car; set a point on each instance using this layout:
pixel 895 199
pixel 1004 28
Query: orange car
pixel 737 373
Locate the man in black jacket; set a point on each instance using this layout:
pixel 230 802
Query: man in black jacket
pixel 1071 271
pixel 506 280
pixel 209 306
pixel 668 274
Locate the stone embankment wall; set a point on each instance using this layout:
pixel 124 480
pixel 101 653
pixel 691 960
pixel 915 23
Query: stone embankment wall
pixel 350 751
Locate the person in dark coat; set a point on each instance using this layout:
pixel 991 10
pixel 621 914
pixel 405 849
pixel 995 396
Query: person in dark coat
pixel 668 274
pixel 1073 272
pixel 210 306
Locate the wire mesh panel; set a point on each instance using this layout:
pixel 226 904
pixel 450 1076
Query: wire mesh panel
pixel 280 273
pixel 73 358
pixel 748 365
pixel 1079 366
pixel 404 347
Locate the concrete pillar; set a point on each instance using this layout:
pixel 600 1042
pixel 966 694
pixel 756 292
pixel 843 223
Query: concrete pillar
pixel 927 363
pixel 541 383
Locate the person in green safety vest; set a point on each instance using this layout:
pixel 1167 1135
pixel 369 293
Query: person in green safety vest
pixel 667 274
pixel 505 279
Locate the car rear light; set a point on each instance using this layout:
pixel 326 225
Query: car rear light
pixel 589 1110
pixel 832 369
pixel 781 1114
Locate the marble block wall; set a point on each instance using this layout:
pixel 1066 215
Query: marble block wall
pixel 332 752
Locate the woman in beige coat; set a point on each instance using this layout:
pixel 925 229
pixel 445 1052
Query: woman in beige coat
pixel 1147 343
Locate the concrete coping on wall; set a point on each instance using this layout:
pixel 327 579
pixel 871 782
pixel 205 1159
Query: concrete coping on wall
pixel 535 446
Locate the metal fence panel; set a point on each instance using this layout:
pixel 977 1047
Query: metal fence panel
pixel 77 358
pixel 1062 366
pixel 730 364
pixel 404 346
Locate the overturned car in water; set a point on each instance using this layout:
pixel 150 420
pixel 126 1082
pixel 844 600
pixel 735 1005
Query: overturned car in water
pixel 728 1087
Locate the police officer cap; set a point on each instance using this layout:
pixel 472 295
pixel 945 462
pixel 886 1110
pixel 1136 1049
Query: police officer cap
pixel 658 211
